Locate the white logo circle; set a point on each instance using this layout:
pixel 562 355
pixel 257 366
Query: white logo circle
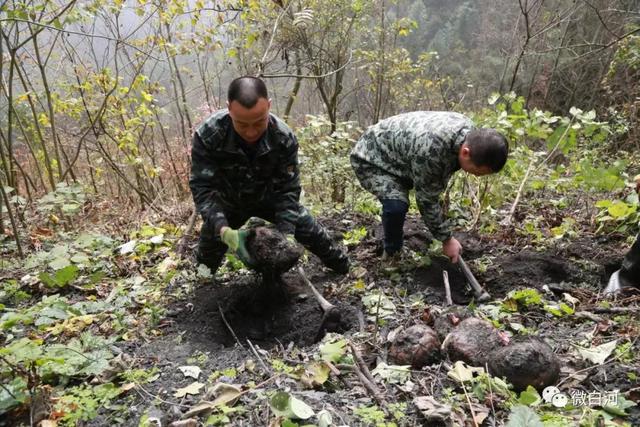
pixel 549 392
pixel 559 400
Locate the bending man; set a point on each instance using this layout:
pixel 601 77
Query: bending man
pixel 422 150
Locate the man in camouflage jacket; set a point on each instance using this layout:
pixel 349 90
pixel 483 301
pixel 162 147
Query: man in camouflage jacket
pixel 422 150
pixel 245 164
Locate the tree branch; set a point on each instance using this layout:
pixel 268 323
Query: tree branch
pixel 79 33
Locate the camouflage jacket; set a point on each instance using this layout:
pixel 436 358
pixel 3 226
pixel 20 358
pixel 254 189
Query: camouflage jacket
pixel 422 147
pixel 224 178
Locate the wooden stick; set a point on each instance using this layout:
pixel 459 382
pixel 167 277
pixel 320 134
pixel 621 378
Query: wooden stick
pixel 447 288
pixel 255 352
pixel 224 319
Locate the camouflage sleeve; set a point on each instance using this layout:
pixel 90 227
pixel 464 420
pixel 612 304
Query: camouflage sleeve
pixel 286 187
pixel 428 200
pixel 202 185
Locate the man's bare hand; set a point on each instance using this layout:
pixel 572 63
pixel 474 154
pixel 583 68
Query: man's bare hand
pixel 452 249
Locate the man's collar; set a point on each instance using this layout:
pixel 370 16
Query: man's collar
pixel 233 140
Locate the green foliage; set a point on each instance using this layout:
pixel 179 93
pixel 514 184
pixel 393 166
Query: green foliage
pixel 326 172
pixel 522 298
pixel 355 236
pixel 372 415
pixel 559 310
pixel 12 292
pixel 68 199
pixel 81 403
pixel 61 278
pixel 333 351
pixel 617 215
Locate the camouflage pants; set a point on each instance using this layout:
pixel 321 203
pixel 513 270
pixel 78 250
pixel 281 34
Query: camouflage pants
pixel 309 233
pixel 630 270
pixel 380 183
pixel 393 193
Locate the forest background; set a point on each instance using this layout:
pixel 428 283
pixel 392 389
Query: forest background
pixel 99 100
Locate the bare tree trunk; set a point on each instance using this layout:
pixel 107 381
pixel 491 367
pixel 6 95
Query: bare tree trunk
pixel 377 106
pixel 14 226
pixel 294 91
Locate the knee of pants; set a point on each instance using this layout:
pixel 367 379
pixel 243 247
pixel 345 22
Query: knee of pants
pixel 393 207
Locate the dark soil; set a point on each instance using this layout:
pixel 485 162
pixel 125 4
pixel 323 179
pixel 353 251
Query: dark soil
pixel 273 313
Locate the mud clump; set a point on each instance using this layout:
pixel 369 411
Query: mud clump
pixel 472 341
pixel 417 346
pixel 531 362
pixel 271 251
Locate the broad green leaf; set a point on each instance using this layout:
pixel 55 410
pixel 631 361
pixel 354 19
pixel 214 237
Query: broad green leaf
pixel 59 263
pixel 13 393
pixel 299 409
pixel 333 352
pixel 620 407
pixel 66 275
pixel 620 209
pixel 279 403
pixel 80 258
pixel 23 350
pixel 530 397
pixel 523 416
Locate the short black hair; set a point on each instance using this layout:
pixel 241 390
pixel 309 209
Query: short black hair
pixel 488 148
pixel 247 90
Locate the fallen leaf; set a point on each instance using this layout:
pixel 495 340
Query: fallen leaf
pixel 324 418
pixel 463 372
pixel 157 240
pixel 166 265
pixel 394 374
pixel 431 409
pixel 226 394
pixel 193 388
pixel 128 247
pixel 190 371
pixel 185 423
pixel 127 386
pixel 315 374
pixel 48 423
pixel 571 299
pixel 599 353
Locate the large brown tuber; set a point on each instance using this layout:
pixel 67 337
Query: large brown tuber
pixel 271 251
pixel 472 341
pixel 418 345
pixel 523 363
pixel 449 318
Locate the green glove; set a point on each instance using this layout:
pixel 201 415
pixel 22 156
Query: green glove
pixel 237 242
